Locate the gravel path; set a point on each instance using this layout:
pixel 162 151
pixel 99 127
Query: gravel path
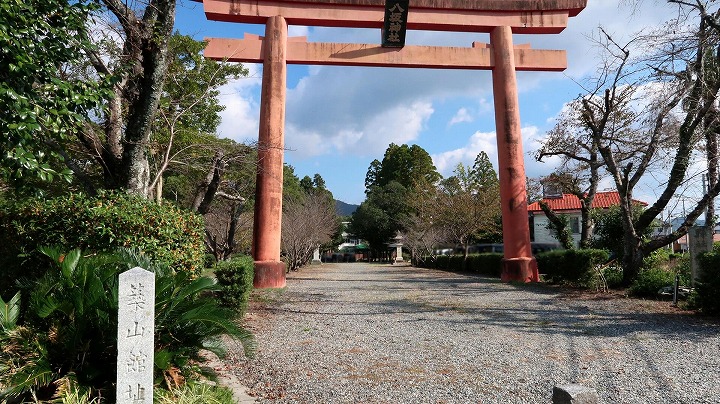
pixel 351 333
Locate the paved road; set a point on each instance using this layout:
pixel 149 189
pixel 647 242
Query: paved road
pixel 350 333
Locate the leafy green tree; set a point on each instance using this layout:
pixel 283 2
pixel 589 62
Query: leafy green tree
pixel 188 113
pixel 410 166
pixel 41 106
pixel 292 188
pixel 372 224
pixel 467 205
pixel 405 174
pixel 372 176
pixel 318 181
pixel 306 183
pixel 609 229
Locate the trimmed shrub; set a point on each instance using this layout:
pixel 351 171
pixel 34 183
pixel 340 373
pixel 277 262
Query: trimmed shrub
pixel 650 280
pixel 707 299
pixel 235 277
pixel 571 267
pixel 96 224
pixel 488 264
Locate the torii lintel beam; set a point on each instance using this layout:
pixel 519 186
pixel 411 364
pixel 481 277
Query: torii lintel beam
pixel 479 57
pixel 523 16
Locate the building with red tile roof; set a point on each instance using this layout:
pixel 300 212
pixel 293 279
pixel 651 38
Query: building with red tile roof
pixel 567 204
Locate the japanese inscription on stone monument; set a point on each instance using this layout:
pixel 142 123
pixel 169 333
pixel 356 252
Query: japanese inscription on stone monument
pixel 136 325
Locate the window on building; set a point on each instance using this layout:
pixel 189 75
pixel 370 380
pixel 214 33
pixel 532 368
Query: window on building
pixel 575 225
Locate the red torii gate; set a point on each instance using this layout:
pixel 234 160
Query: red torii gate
pixel 500 18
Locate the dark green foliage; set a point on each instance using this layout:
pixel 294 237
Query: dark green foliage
pixel 70 316
pixel 613 276
pixel 382 215
pixel 410 166
pixel 609 233
pixel 707 299
pixel 572 267
pixel 103 223
pixel 487 264
pixel 235 277
pixel 661 266
pixel 68 328
pixel 446 262
pixel 189 318
pixel 41 106
pixel 405 173
pixel 650 280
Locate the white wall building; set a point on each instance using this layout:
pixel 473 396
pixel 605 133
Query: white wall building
pixel 569 205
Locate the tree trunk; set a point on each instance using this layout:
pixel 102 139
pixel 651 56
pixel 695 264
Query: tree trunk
pixel 559 226
pixel 712 131
pixel 586 227
pixel 232 228
pixel 146 47
pixel 207 189
pixel 632 258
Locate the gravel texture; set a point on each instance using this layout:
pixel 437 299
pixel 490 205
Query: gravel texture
pixel 351 333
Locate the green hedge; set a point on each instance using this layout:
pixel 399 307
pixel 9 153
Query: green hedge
pixel 488 264
pixel 708 285
pixel 94 224
pixel 572 267
pixel 235 277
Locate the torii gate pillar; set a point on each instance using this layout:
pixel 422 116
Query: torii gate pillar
pixel 513 197
pixel 269 270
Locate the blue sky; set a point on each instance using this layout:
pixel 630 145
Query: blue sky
pixel 341 118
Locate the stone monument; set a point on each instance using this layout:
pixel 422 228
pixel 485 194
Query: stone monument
pixel 135 335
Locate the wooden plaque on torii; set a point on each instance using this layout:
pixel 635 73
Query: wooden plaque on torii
pixel 500 18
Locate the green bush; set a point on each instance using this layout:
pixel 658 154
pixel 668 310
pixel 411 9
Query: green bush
pixel 96 224
pixel 235 277
pixel 650 280
pixel 488 264
pixel 707 298
pixel 613 276
pixel 571 267
pixel 66 333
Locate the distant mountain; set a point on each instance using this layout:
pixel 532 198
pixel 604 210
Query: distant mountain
pixel 344 209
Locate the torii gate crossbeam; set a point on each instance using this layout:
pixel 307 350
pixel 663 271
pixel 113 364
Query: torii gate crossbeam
pixel 501 18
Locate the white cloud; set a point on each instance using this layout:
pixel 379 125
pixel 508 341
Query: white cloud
pixel 461 116
pixel 298 30
pixel 399 124
pixel 486 141
pixel 240 119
